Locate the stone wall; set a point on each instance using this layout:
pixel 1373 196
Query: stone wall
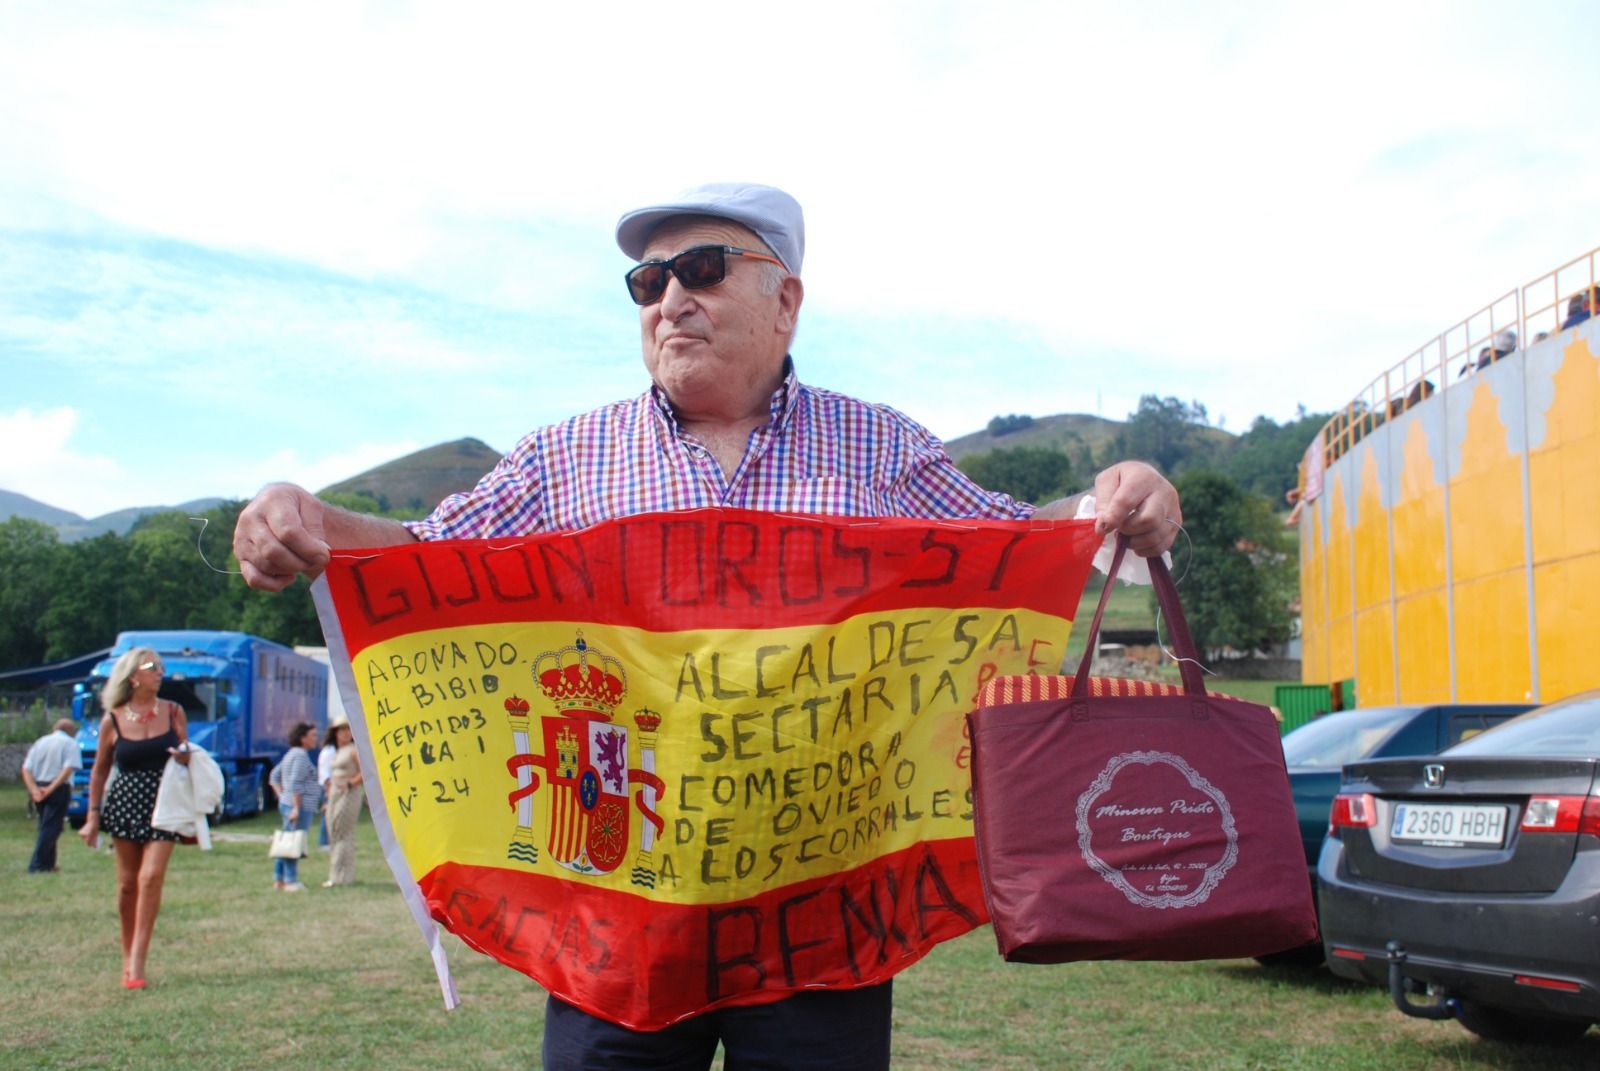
pixel 1258 669
pixel 1115 665
pixel 11 756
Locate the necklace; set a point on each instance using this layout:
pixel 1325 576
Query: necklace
pixel 138 716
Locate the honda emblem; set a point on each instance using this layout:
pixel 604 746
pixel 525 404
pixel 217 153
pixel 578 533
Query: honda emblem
pixel 1433 775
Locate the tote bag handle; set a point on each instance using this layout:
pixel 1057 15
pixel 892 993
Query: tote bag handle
pixel 1167 598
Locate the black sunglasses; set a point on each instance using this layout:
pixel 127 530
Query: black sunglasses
pixel 696 269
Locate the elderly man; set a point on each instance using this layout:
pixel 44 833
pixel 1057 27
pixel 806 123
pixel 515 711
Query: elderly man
pixel 726 422
pixel 47 772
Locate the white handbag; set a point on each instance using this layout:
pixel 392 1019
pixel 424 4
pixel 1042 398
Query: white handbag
pixel 287 844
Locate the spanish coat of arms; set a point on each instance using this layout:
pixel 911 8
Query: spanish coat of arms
pixel 585 760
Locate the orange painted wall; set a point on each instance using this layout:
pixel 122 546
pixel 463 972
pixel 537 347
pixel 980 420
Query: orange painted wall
pixel 1458 490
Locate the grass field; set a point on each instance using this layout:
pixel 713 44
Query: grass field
pixel 1128 608
pixel 244 977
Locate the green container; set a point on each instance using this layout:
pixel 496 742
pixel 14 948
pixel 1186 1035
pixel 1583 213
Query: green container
pixel 1299 703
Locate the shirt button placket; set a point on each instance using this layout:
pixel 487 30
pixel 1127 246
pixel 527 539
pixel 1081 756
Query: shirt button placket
pixel 709 470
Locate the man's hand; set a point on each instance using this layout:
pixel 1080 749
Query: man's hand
pixel 279 536
pixel 36 793
pixel 286 531
pixel 1136 500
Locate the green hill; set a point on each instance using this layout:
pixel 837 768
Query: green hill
pixel 13 504
pixel 414 484
pixel 71 527
pixel 418 482
pixel 1062 432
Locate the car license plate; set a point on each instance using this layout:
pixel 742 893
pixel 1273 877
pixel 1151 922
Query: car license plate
pixel 1452 825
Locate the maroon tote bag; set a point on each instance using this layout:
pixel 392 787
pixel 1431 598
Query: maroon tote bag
pixel 1125 820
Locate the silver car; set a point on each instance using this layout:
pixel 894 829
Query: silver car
pixel 1468 883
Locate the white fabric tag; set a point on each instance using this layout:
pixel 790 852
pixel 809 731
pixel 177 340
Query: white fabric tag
pixel 1134 568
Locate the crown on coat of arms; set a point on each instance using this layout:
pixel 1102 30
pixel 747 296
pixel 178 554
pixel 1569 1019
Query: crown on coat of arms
pixel 579 677
pixel 517 706
pixel 647 720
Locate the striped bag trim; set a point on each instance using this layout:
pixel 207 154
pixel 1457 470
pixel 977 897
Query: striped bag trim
pixel 1022 688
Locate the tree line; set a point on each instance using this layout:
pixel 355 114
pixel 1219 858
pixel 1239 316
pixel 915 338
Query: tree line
pixel 1237 561
pixel 171 571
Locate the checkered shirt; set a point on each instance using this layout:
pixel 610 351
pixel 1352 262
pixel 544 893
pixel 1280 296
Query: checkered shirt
pixel 819 452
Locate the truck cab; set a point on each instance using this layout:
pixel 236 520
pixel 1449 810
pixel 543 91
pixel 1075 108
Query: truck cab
pixel 240 693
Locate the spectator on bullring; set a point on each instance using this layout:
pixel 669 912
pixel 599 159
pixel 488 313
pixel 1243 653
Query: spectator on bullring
pixel 1584 304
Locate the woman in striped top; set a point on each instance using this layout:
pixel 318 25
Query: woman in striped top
pixel 299 795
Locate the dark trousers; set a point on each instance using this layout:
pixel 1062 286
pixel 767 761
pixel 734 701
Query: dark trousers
pixel 52 814
pixel 832 1029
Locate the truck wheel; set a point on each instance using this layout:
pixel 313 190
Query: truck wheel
pixel 1499 1024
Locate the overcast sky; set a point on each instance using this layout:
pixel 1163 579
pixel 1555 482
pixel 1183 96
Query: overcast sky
pixel 243 242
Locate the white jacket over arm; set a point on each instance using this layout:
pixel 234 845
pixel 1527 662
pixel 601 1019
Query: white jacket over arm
pixel 187 795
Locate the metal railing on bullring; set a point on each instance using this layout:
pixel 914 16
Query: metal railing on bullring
pixel 1528 313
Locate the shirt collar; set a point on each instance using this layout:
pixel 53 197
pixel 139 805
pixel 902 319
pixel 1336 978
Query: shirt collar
pixel 779 408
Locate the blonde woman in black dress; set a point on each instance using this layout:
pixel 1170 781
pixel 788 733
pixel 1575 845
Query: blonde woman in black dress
pixel 140 731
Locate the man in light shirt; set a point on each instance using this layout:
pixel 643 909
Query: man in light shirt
pixel 47 771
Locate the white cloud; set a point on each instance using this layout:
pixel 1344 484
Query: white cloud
pixel 408 207
pixel 312 471
pixel 37 459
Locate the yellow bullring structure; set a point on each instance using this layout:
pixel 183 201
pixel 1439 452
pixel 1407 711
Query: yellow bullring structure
pixel 1450 516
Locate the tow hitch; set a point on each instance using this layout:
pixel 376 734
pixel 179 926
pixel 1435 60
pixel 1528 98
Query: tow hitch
pixel 1446 1007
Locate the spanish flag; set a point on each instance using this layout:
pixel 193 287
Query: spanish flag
pixel 680 761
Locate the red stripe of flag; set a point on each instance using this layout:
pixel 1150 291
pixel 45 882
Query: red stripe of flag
pixel 739 569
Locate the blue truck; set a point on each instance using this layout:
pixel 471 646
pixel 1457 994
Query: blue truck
pixel 241 694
